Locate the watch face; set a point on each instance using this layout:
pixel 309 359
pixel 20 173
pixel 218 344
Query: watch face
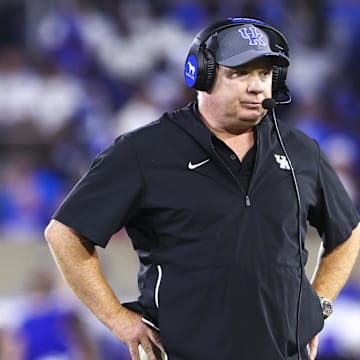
pixel 326 307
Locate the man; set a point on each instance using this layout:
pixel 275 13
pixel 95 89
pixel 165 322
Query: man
pixel 215 198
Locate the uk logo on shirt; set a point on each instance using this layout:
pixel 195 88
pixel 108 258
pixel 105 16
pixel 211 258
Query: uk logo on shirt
pixel 282 161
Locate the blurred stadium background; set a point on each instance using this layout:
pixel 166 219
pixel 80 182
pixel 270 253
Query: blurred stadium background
pixel 75 74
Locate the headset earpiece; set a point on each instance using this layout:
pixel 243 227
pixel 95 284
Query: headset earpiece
pixel 200 69
pixel 210 71
pixel 279 82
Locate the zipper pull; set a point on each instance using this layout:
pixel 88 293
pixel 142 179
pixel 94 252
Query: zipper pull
pixel 247 201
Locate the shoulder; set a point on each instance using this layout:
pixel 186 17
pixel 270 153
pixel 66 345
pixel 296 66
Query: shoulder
pixel 298 138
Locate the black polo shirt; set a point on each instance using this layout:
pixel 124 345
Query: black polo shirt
pixel 242 169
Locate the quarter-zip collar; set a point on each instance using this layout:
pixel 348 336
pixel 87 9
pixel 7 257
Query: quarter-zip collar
pixel 190 121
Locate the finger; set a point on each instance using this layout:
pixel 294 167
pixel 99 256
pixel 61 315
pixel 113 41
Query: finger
pixel 134 351
pixel 148 348
pixel 155 338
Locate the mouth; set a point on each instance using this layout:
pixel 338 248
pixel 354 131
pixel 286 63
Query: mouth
pixel 251 104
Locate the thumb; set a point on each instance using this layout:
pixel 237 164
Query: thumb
pixel 313 346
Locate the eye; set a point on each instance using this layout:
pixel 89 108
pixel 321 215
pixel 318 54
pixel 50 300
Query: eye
pixel 239 73
pixel 266 73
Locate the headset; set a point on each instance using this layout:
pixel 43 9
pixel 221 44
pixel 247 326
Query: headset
pixel 200 65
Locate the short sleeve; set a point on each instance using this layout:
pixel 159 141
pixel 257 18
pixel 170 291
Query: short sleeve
pixel 107 196
pixel 334 214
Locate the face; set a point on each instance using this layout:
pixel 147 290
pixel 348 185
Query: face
pixel 234 103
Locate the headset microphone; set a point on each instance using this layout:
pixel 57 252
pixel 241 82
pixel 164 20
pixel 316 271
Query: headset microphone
pixel 268 103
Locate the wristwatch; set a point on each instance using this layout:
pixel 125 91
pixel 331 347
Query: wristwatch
pixel 326 305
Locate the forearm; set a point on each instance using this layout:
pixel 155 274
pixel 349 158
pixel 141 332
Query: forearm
pixel 79 264
pixel 334 269
pixel 78 261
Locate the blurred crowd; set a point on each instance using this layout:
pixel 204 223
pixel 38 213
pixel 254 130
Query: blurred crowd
pixel 76 74
pixel 45 322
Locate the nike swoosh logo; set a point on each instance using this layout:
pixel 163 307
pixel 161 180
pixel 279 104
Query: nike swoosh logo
pixel 192 166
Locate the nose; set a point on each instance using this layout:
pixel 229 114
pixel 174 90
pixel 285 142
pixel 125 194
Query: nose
pixel 255 85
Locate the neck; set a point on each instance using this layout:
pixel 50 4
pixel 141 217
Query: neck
pixel 222 129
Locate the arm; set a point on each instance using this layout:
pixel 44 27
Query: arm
pixel 79 264
pixel 334 269
pixel 332 272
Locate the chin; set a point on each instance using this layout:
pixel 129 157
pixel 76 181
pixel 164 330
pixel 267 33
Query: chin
pixel 254 117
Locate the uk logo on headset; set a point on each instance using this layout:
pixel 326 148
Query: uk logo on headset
pixel 190 70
